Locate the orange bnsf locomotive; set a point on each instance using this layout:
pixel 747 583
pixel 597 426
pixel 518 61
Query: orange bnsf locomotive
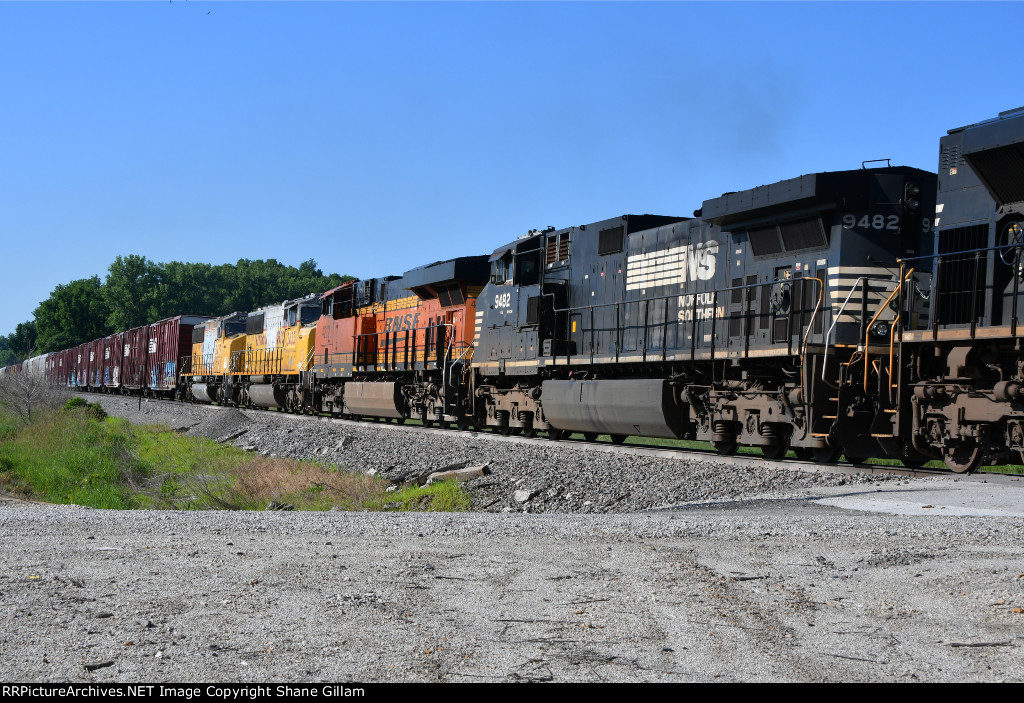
pixel 400 347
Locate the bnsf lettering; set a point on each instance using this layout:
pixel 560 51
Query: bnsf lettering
pixel 402 323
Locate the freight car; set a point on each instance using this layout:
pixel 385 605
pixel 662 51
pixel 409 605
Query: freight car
pixel 142 360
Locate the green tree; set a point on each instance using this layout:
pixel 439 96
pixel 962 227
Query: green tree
pixel 188 289
pixel 22 342
pixel 131 292
pixel 73 314
pixel 7 357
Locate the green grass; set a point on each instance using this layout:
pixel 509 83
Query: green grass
pixel 442 496
pixel 69 457
pixel 73 456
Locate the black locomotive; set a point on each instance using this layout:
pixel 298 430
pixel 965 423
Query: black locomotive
pixel 743 325
pixel 832 313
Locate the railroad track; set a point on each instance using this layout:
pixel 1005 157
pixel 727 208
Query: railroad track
pixel 629 449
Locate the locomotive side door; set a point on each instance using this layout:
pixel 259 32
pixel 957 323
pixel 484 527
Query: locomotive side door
pixel 740 298
pixel 781 303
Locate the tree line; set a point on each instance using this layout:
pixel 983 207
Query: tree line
pixel 138 291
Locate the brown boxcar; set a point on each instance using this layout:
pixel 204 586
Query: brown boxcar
pixel 55 368
pixel 64 368
pixel 81 366
pixel 96 363
pixel 169 341
pixel 133 358
pixel 113 355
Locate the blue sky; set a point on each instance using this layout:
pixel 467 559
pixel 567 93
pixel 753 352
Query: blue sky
pixel 376 137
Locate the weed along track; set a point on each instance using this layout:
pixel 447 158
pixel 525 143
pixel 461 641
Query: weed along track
pixel 78 455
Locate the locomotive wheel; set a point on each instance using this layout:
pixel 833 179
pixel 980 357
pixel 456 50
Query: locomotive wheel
pixel 444 424
pixel 856 460
pixel 826 455
pixel 774 452
pixel 963 457
pixel 804 453
pixel 590 436
pixel 618 438
pixel 529 431
pixel 555 434
pixel 725 448
pixel 505 430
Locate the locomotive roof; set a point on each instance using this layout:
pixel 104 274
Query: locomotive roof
pixel 800 196
pixel 346 284
pixel 995 152
pixel 633 223
pixel 423 280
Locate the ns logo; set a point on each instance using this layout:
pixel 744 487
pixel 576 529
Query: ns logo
pixel 672 266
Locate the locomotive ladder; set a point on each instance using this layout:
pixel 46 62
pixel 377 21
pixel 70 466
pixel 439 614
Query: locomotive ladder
pixel 861 281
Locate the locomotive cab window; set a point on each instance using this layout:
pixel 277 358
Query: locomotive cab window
pixel 501 269
pixel 528 268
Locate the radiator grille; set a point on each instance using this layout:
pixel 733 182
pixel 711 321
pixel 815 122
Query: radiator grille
pixel 610 240
pixel 961 274
pixel 765 241
pixel 805 234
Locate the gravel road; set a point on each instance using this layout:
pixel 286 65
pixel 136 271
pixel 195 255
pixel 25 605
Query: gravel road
pixel 763 580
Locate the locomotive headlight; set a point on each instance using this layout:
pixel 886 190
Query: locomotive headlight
pixel 881 328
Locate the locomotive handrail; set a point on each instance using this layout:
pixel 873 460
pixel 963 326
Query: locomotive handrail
pixel 415 347
pixel 714 292
pixel 881 309
pixel 961 252
pixel 807 332
pixel 309 359
pixel 835 321
pixel 945 257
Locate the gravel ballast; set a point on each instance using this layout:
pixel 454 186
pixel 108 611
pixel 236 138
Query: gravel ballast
pixel 741 573
pixel 532 477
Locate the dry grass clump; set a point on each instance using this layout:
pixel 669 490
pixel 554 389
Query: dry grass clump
pixel 304 484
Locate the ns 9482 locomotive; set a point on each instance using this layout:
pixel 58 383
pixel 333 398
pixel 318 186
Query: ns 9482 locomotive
pixel 753 322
